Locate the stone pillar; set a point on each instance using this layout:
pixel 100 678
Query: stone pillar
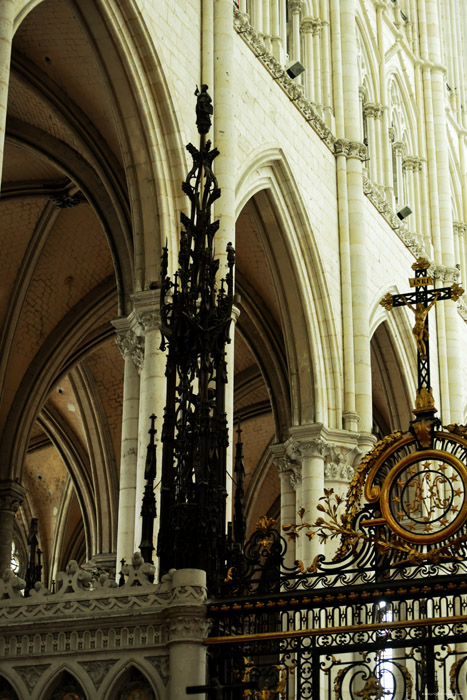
pixel 306 447
pixel 379 165
pixel 306 28
pixel 132 348
pixel 7 16
pixel 152 397
pixel 187 627
pixel 290 475
pixel 295 7
pixel 11 497
pixel 409 164
pixel 317 62
pixel 398 148
pixel 369 113
pixel 326 65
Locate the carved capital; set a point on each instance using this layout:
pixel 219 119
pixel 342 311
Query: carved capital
pixel 187 627
pixel 369 110
pixel 295 6
pixel 131 345
pixel 350 149
pixel 445 274
pixel 286 466
pixel 308 25
pixel 410 163
pixel 11 496
pixel 399 148
pixel 459 228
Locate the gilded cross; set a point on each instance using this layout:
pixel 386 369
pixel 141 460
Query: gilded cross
pixel 420 302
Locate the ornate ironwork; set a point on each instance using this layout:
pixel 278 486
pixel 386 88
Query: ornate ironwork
pixel 148 510
pixel 387 617
pixel 34 565
pixel 196 309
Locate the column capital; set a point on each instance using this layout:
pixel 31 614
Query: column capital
pixel 445 274
pixel 370 109
pixel 399 147
pixel 350 149
pixel 411 163
pixel 459 228
pixel 295 6
pixel 129 339
pixel 339 450
pixel 286 466
pixel 147 308
pixel 11 496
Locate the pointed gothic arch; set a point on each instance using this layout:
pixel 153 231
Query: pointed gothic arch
pixel 293 259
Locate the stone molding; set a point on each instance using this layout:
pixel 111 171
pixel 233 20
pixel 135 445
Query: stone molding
pixel 370 109
pixel 81 596
pixel 294 91
pixel 380 203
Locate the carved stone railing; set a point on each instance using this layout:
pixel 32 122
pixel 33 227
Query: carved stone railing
pixel 97 631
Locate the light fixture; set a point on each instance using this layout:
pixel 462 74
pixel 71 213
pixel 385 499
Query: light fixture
pixel 294 69
pixel 404 212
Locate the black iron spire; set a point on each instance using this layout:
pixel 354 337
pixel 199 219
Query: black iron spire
pixel 196 312
pixel 148 510
pixel 239 525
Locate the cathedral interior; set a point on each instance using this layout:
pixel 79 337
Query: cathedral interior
pixel 317 172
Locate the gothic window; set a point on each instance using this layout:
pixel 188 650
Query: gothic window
pixel 136 687
pixel 6 691
pixel 67 688
pixel 14 560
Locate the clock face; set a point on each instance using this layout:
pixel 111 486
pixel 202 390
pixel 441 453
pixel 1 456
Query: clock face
pixel 424 496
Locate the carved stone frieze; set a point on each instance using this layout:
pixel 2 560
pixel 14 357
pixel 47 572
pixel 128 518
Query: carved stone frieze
pixel 278 72
pixel 380 203
pixel 30 675
pixel 97 670
pixel 161 664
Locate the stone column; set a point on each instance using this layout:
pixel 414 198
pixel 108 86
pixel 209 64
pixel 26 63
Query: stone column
pixel 11 498
pixel 317 62
pixel 306 28
pixel 326 65
pixel 409 164
pixel 152 396
pixel 7 16
pixel 295 7
pixel 187 627
pixel 369 113
pixel 290 475
pixel 398 148
pixel 379 165
pixel 306 447
pixel 132 349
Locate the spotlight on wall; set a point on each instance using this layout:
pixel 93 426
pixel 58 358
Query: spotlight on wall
pixel 294 69
pixel 404 213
